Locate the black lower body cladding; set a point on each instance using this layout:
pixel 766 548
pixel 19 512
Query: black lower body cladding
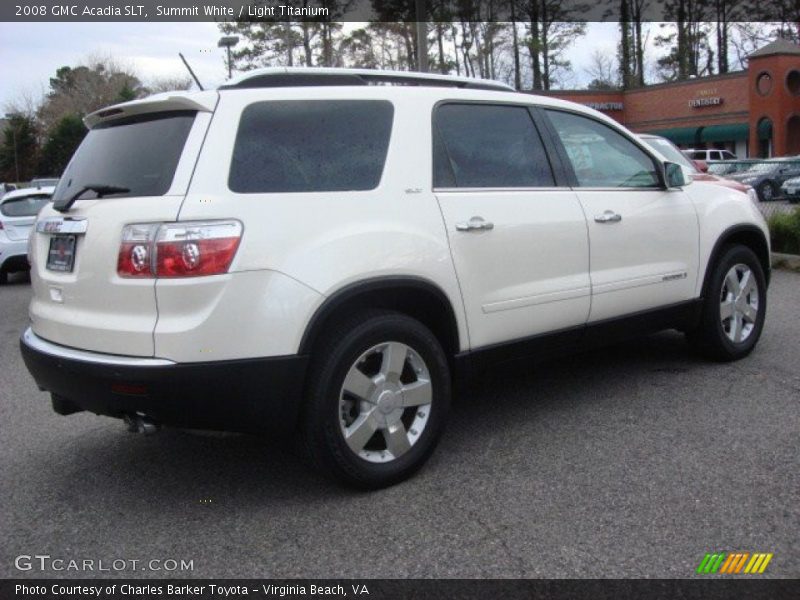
pixel 260 395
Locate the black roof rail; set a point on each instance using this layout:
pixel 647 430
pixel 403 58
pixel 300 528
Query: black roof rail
pixel 345 77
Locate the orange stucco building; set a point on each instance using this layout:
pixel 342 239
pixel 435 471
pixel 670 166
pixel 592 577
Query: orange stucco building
pixel 754 113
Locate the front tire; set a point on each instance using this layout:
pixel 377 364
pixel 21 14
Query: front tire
pixel 766 191
pixel 734 308
pixel 377 399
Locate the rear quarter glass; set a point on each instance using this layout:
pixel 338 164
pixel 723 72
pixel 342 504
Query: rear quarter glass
pixel 311 146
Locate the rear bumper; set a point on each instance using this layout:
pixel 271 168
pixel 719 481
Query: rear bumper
pixel 13 255
pixel 260 395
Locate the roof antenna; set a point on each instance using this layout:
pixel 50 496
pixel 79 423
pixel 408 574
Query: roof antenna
pixel 196 80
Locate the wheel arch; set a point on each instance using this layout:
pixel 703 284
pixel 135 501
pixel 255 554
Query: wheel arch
pixel 747 235
pixel 413 296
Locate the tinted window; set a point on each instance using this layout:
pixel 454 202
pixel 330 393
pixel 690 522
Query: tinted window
pixel 600 156
pixel 140 153
pixel 489 146
pixel 311 146
pixel 27 206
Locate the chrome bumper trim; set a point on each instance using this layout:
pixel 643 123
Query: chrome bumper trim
pixel 34 342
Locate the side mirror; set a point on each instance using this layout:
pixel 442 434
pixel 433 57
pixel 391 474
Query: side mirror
pixel 673 175
pixel 701 165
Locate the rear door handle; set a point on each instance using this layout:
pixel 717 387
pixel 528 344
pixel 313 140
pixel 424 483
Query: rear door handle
pixel 475 224
pixel 608 216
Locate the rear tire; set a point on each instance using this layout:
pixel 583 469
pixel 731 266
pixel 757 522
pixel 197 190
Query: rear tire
pixel 3 277
pixel 376 400
pixel 734 308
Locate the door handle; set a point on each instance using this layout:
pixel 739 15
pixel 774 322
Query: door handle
pixel 475 224
pixel 608 216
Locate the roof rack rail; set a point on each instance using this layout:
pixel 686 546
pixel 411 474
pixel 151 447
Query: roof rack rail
pixel 303 77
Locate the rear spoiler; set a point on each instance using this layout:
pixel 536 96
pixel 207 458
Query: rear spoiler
pixel 168 101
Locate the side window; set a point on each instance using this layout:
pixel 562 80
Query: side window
pixel 311 146
pixel 488 146
pixel 600 156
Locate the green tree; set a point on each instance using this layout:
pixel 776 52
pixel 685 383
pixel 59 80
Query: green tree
pixel 552 27
pixel 83 89
pixel 60 145
pixel 19 149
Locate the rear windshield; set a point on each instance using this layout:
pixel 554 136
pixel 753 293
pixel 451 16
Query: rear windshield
pixel 139 153
pixel 311 146
pixel 27 206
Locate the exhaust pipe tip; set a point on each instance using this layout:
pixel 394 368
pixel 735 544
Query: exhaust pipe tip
pixel 141 424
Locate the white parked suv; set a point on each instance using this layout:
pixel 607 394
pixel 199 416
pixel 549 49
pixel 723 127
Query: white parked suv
pixel 324 253
pixel 18 211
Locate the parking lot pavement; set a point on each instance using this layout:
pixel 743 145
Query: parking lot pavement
pixel 630 461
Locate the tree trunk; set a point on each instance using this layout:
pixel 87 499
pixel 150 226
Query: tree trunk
pixel 307 45
pixel 624 45
pixel 454 32
pixel 515 47
pixel 289 44
pixel 545 51
pixel 440 43
pixel 639 46
pixel 683 49
pixel 535 51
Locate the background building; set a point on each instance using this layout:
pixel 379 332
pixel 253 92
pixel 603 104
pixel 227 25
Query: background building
pixel 755 112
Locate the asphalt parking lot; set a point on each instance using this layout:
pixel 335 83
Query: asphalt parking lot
pixel 632 461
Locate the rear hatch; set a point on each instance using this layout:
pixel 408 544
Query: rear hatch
pixel 134 166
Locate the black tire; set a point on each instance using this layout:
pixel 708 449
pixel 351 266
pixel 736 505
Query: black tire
pixel 710 337
pixel 766 191
pixel 321 422
pixel 3 277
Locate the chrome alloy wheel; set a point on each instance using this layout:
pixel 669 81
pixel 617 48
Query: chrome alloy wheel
pixel 738 309
pixel 385 402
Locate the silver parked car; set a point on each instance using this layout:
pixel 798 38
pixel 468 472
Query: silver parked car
pixel 791 190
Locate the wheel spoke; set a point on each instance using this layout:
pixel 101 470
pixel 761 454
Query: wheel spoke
pixel 394 359
pixel 396 439
pixel 358 434
pixel 359 384
pixel 732 281
pixel 748 284
pixel 749 313
pixel 736 328
pixel 726 310
pixel 418 393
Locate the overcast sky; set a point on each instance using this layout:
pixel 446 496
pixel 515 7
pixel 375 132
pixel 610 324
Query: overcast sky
pixel 30 53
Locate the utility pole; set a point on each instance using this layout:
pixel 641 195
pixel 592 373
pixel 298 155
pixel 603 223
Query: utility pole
pixel 13 127
pixel 422 35
pixel 16 158
pixel 228 42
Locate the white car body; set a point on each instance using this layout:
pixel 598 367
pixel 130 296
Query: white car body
pixel 15 228
pixel 549 264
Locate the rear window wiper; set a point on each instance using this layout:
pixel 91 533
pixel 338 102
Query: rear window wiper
pixel 100 189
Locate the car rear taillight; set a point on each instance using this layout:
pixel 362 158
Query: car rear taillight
pixel 189 249
pixel 1 225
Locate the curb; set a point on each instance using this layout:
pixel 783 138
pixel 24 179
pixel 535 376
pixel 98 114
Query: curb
pixel 786 261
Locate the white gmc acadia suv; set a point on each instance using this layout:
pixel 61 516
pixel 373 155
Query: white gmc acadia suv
pixel 323 253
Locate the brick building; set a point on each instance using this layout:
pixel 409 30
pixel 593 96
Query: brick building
pixel 755 112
